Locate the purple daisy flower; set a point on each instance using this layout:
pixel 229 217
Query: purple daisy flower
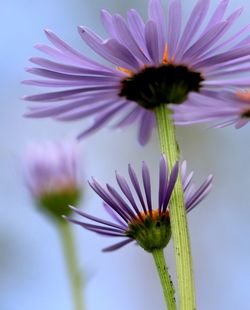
pixel 228 109
pixel 154 62
pixel 135 219
pixel 50 172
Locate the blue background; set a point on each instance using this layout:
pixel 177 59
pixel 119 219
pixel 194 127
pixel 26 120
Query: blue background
pixel 32 270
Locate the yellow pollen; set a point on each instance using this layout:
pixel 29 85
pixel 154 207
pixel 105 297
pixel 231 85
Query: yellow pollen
pixel 154 215
pixel 243 95
pixel 165 61
pixel 165 57
pixel 129 72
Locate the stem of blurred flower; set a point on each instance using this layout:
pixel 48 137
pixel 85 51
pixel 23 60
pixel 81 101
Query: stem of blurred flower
pixel 166 283
pixel 75 278
pixel 178 219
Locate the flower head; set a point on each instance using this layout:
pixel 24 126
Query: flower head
pixel 154 62
pixel 230 108
pixel 135 218
pixel 50 172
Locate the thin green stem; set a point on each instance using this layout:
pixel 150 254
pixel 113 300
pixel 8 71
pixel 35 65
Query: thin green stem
pixel 71 261
pixel 166 283
pixel 178 219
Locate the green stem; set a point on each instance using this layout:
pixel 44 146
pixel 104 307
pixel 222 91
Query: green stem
pixel 71 261
pixel 178 219
pixel 166 283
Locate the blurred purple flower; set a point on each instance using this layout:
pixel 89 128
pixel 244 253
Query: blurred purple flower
pixel 51 174
pixel 135 219
pixel 156 62
pixel 231 108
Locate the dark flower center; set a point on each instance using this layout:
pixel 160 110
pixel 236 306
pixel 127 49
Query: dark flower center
pixel 246 114
pixel 164 84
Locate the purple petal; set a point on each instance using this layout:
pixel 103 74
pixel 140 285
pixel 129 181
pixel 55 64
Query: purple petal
pixel 193 25
pixel 156 14
pixel 137 188
pixel 121 202
pixel 199 193
pixel 97 228
pixel 113 215
pixel 70 83
pixel 187 180
pixel 102 119
pixel 244 82
pixel 126 38
pixel 206 41
pixel 147 122
pixel 147 185
pixel 137 28
pixel 98 220
pixel 71 69
pixel 74 105
pixel 163 180
pixel 110 49
pixel 83 112
pixel 87 75
pixel 107 22
pixel 117 245
pixel 127 192
pixel 152 42
pixel 108 199
pixel 218 14
pixel 231 39
pixel 224 73
pixel 171 184
pixel 224 57
pixel 230 64
pixel 174 26
pixel 241 123
pixel 68 50
pixel 129 118
pixel 54 96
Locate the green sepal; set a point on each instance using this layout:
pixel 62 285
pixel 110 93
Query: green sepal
pixel 57 203
pixel 153 233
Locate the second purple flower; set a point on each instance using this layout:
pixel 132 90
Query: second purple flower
pixel 135 218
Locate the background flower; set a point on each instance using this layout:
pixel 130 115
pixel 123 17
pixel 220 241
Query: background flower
pixel 51 174
pixel 230 108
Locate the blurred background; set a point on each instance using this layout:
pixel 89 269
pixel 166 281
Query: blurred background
pixel 32 270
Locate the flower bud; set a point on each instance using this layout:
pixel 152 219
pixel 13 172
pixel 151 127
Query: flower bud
pixel 51 176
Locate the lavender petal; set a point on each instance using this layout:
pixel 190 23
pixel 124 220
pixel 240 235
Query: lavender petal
pixel 98 220
pixel 174 26
pixel 117 245
pixel 152 42
pixel 163 180
pixel 171 184
pixel 147 186
pixel 137 188
pixel 195 20
pixel 127 192
pixel 146 126
pixel 156 14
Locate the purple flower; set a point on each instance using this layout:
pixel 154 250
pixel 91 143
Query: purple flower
pixel 228 109
pixel 50 172
pixel 154 62
pixel 134 218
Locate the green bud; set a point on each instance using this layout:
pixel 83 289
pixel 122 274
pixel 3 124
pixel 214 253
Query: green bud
pixel 57 203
